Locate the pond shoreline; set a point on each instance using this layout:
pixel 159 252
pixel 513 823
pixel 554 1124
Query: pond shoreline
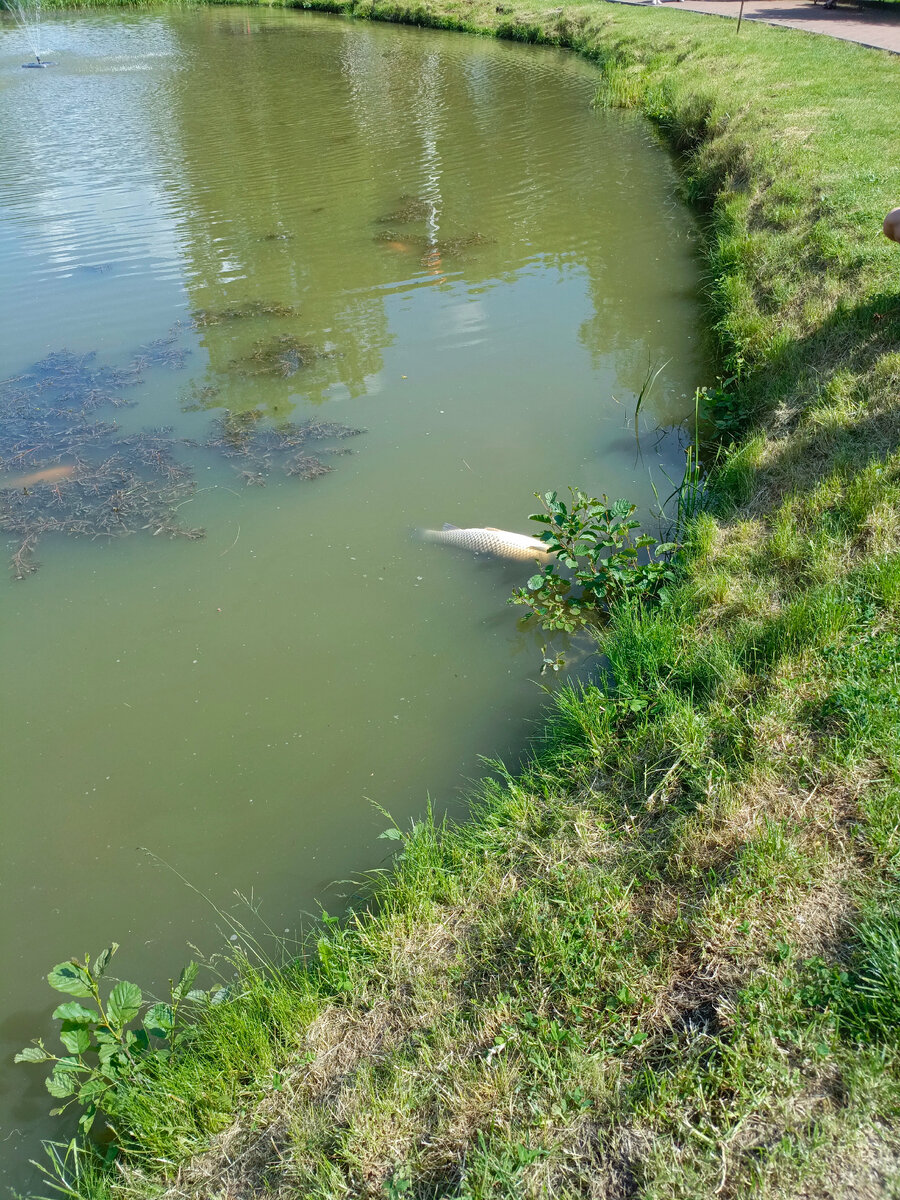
pixel 664 959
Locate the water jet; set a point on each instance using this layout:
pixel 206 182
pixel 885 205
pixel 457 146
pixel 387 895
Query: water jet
pixel 27 15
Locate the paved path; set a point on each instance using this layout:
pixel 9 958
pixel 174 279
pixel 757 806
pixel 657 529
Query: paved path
pixel 877 27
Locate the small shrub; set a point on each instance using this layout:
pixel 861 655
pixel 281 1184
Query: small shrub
pixel 594 539
pixel 108 1047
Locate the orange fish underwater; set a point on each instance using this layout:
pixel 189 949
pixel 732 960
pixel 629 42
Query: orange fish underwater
pixel 47 475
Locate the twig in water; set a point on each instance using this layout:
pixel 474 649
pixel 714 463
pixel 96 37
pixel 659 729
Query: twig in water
pixel 233 544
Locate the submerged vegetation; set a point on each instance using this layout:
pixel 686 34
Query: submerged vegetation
pixel 62 471
pixel 251 310
pixel 409 210
pixel 258 447
pixel 72 474
pixel 416 211
pixel 282 355
pixel 663 960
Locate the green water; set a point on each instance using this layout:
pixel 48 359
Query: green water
pixel 234 704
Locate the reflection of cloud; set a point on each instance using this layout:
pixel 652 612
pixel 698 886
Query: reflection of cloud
pixel 465 318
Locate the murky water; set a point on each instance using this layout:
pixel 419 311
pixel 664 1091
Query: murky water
pixel 427 237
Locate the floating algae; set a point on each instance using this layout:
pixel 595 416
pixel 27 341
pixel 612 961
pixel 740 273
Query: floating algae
pixel 68 474
pixel 283 356
pixel 205 317
pixel 258 449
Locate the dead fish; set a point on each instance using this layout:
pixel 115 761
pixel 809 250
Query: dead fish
pixel 488 540
pixel 47 475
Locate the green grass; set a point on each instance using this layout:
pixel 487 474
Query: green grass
pixel 664 961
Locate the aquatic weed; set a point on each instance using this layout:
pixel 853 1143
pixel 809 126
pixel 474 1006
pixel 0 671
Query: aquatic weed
pixel 261 447
pixel 282 356
pixel 76 476
pixel 204 317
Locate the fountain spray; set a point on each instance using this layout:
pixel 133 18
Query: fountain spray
pixel 27 15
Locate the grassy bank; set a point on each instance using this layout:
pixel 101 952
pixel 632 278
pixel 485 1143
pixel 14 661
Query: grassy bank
pixel 665 960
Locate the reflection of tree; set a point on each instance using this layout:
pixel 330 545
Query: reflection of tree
pixel 321 127
pixel 258 221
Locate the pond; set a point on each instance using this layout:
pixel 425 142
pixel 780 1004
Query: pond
pixel 280 289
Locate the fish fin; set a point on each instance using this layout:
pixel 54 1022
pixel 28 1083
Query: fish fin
pixel 493 529
pixel 447 525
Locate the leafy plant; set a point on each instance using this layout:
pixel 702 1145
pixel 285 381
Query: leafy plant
pixel 724 406
pixel 111 1045
pixel 595 540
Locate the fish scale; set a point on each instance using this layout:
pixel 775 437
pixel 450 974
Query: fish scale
pixel 486 540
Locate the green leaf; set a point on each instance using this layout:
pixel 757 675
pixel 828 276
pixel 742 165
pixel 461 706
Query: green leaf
pixel 124 1003
pixel 392 835
pixel 36 1054
pixel 103 959
pixel 535 583
pixel 159 1020
pixel 76 1013
pixel 76 1040
pixel 92 1089
pixel 136 1039
pixel 86 1120
pixel 70 1064
pixel 70 977
pixel 60 1086
pixel 185 981
pixel 108 1051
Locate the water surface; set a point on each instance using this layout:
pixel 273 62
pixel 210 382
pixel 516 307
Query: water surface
pixel 479 269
